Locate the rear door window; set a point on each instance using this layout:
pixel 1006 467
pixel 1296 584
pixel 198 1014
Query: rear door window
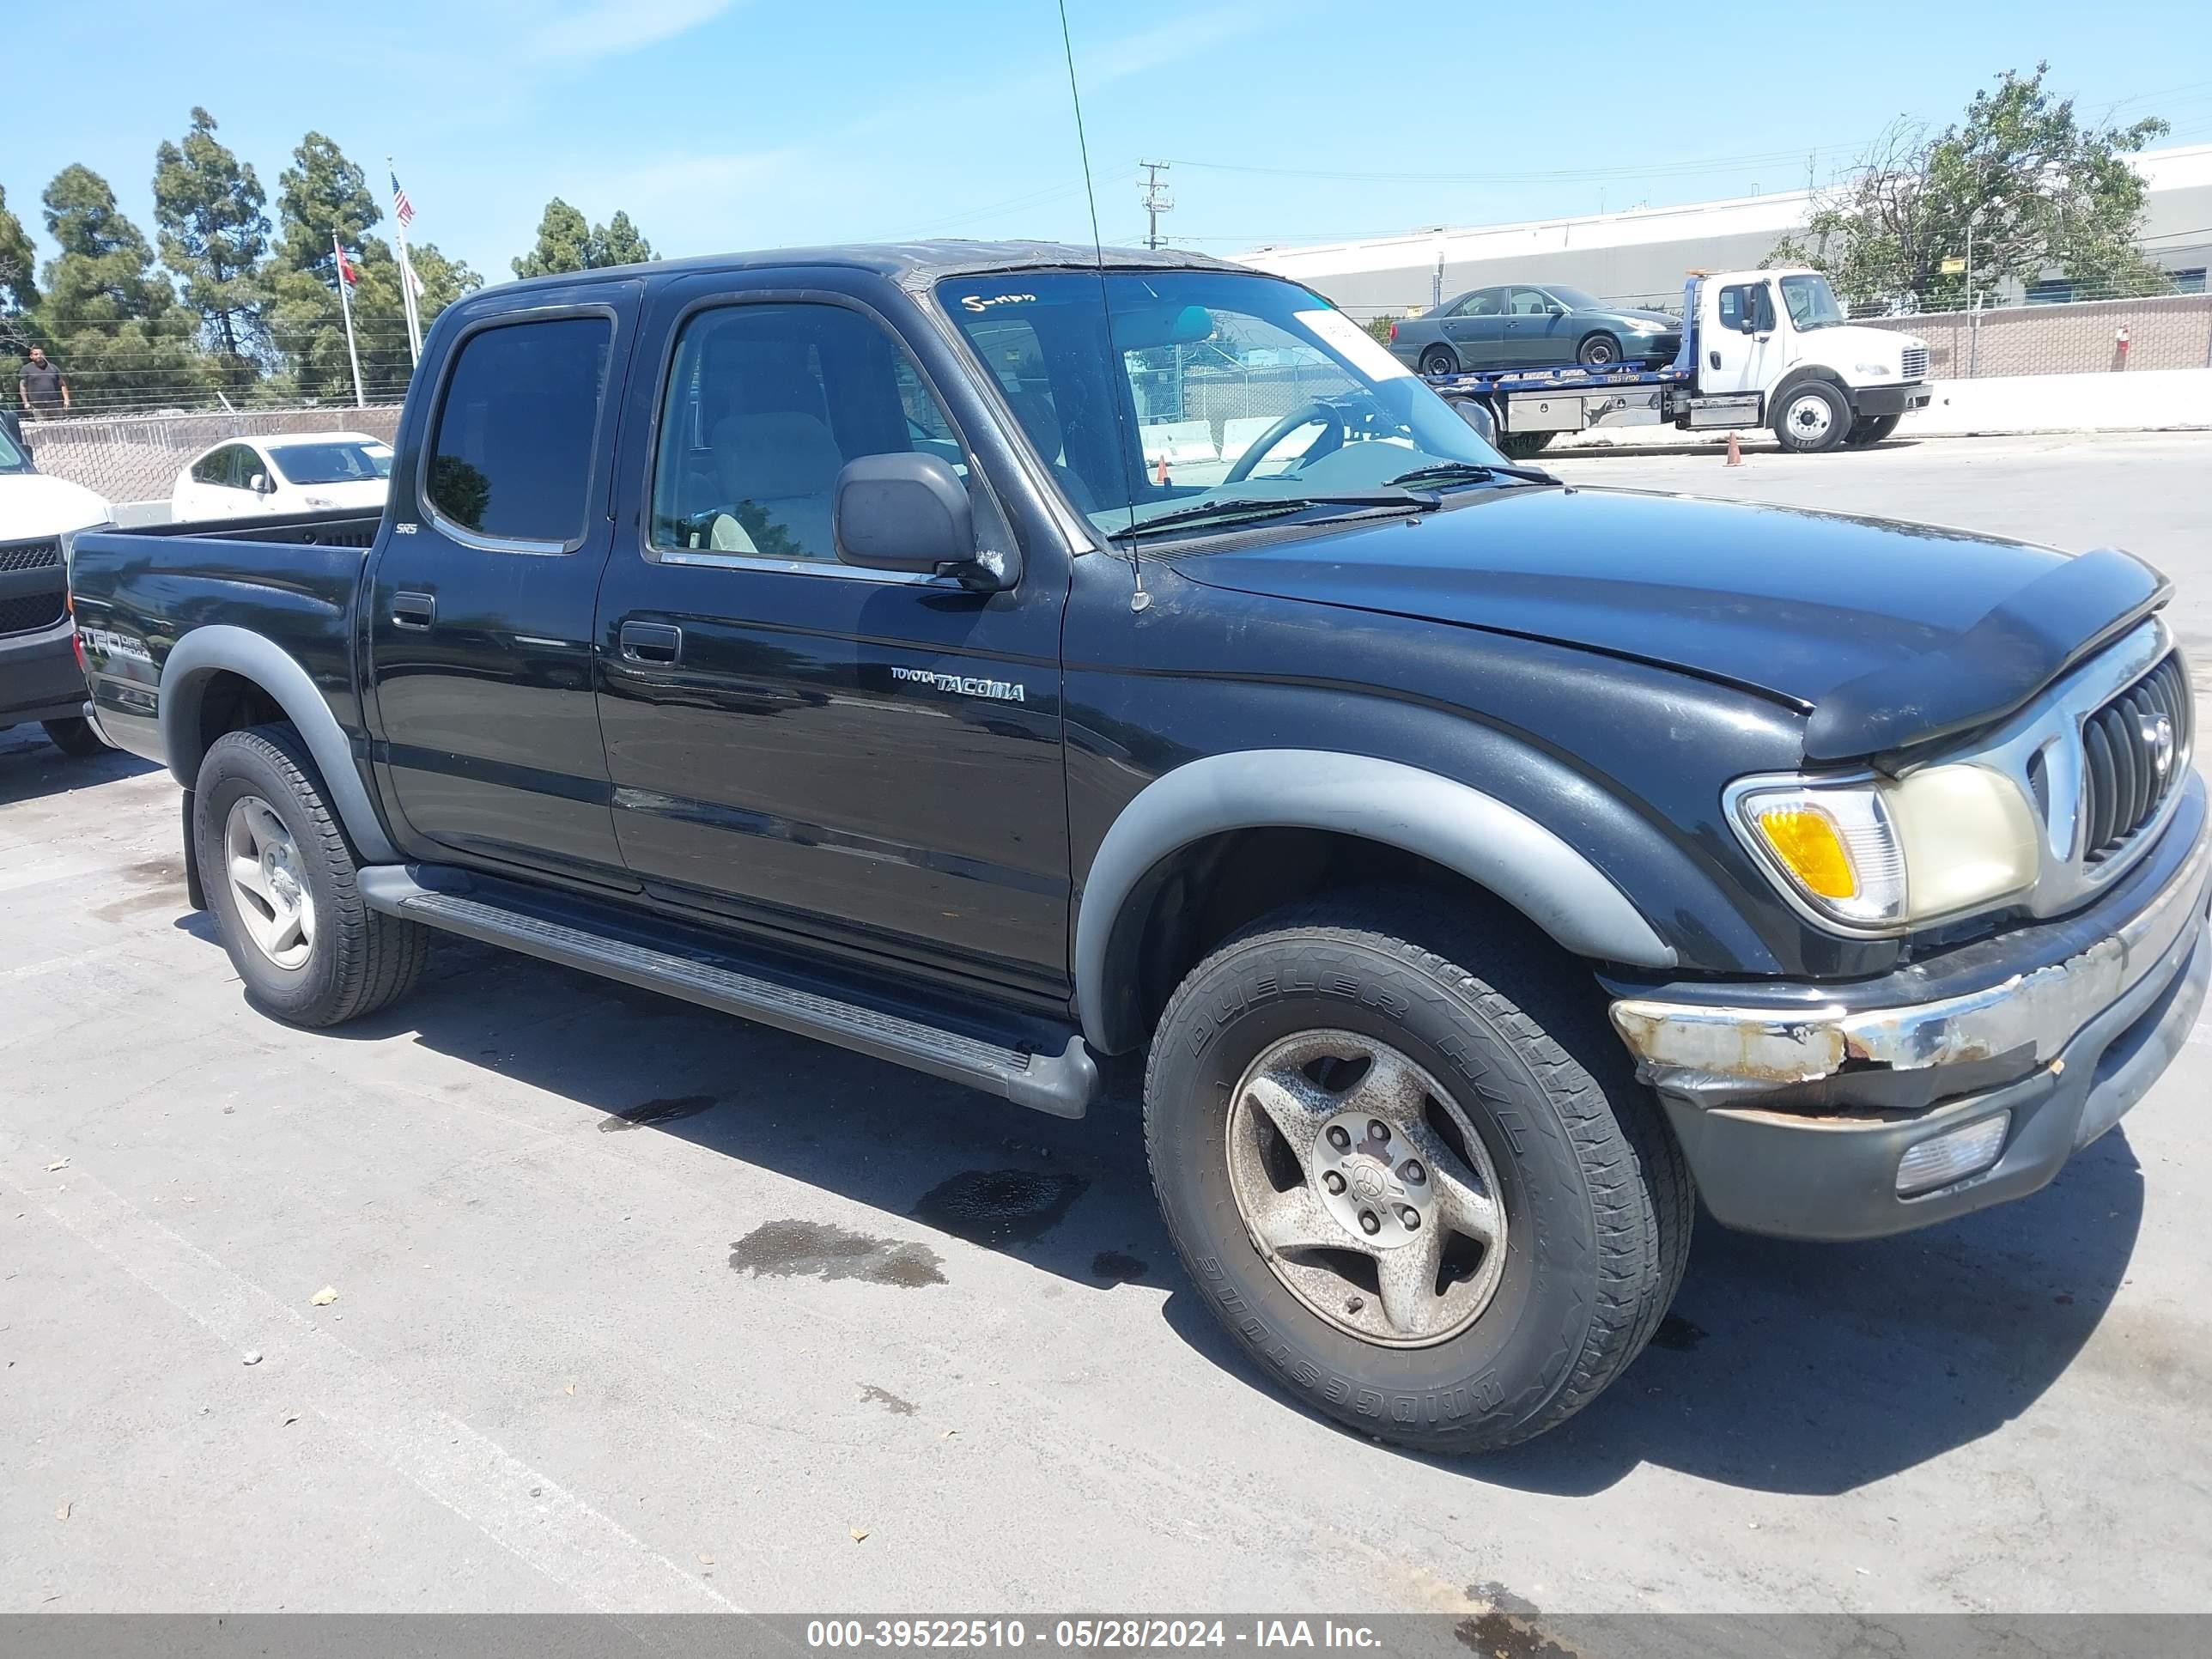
pixel 511 452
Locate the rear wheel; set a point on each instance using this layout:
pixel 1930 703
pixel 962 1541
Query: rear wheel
pixel 73 736
pixel 280 880
pixel 1812 416
pixel 1438 360
pixel 1440 1211
pixel 1599 352
pixel 1871 429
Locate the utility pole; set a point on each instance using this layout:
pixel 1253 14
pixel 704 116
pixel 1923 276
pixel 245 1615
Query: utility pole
pixel 1156 200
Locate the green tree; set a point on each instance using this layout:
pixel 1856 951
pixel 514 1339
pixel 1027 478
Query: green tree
pixel 207 209
pixel 19 293
pixel 565 242
pixel 320 195
pixel 109 317
pixel 618 242
pixel 2038 189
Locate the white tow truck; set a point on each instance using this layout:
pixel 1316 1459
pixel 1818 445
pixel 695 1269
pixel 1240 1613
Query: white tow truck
pixel 1759 348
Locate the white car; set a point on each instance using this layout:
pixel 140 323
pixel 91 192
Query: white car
pixel 284 472
pixel 40 677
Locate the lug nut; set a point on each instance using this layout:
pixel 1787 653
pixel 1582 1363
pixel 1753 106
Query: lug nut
pixel 1377 1129
pixel 1411 1170
pixel 1333 1181
pixel 1339 1137
pixel 1369 1223
pixel 1352 1305
pixel 1412 1217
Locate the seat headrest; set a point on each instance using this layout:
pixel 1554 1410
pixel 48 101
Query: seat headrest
pixel 764 458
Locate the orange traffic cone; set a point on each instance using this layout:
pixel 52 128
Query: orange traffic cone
pixel 1163 477
pixel 1735 452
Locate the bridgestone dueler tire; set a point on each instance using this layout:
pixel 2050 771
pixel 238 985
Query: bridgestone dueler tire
pixel 1597 1198
pixel 361 959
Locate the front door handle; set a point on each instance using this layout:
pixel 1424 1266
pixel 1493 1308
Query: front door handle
pixel 413 609
pixel 651 642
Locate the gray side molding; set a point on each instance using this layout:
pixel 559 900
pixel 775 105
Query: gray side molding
pixel 1495 845
pixel 208 651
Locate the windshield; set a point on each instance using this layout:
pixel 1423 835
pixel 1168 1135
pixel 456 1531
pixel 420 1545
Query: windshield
pixel 1217 387
pixel 1811 302
pixel 340 461
pixel 1575 299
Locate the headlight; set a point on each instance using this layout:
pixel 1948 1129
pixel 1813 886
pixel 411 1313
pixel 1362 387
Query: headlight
pixel 1883 854
pixel 1640 326
pixel 1873 371
pixel 321 503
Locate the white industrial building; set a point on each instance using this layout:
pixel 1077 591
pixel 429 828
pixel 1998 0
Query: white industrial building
pixel 1644 252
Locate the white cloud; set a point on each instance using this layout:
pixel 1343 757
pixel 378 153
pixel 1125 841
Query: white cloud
pixel 612 27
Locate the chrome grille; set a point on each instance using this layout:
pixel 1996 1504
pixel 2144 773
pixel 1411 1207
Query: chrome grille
pixel 27 613
pixel 30 555
pixel 2134 753
pixel 1915 363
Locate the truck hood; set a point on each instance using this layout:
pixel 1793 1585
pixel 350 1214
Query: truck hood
pixel 1884 633
pixel 38 504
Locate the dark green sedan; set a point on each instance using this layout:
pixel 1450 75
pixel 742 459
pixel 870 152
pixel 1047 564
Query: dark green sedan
pixel 1527 325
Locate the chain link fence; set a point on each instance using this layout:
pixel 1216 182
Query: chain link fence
pixel 137 458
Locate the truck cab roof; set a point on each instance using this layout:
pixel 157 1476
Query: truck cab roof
pixel 913 265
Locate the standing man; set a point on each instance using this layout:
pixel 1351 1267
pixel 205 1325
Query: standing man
pixel 43 387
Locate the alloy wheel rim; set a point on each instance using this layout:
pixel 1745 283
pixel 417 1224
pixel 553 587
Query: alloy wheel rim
pixel 268 883
pixel 1366 1189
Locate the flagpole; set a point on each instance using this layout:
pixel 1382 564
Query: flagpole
pixel 406 280
pixel 345 303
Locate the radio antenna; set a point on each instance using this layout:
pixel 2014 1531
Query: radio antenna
pixel 1140 598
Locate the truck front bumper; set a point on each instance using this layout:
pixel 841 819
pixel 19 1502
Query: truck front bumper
pixel 1797 1105
pixel 1871 400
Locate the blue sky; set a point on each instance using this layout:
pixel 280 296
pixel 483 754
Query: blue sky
pixel 734 123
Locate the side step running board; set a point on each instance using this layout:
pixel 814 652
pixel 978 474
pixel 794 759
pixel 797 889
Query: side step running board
pixel 1063 1085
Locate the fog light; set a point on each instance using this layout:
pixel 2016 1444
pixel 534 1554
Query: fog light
pixel 1941 1159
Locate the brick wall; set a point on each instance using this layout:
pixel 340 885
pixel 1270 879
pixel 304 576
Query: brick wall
pixel 2081 339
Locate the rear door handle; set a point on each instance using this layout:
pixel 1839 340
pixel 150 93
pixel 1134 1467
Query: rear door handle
pixel 413 609
pixel 653 642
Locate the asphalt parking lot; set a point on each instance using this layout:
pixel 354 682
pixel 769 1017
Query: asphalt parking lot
pixel 638 1307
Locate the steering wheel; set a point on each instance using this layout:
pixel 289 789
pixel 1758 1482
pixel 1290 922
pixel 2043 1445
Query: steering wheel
pixel 1303 415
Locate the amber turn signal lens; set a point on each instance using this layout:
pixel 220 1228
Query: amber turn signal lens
pixel 1806 841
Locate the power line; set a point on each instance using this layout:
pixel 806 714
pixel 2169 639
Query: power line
pixel 1156 199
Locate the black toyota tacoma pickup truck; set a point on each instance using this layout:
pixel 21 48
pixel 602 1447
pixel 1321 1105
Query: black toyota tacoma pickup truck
pixel 862 641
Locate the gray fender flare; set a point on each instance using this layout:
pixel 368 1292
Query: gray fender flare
pixel 1495 845
pixel 206 651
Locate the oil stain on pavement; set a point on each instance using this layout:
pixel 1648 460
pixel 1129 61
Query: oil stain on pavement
pixel 998 1207
pixel 817 1249
pixel 666 1110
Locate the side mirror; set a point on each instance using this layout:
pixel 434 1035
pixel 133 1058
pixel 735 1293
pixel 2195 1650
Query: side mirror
pixel 903 512
pixel 259 485
pixel 1477 415
pixel 1749 326
pixel 1556 309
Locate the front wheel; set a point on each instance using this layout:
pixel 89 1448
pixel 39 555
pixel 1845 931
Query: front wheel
pixel 1439 361
pixel 1438 1210
pixel 282 881
pixel 1524 446
pixel 1812 417
pixel 74 736
pixel 1600 351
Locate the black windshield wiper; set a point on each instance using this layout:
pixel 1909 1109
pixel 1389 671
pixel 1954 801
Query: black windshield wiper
pixel 1268 507
pixel 1474 472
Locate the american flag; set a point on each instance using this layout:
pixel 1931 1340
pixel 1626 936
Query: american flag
pixel 402 208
